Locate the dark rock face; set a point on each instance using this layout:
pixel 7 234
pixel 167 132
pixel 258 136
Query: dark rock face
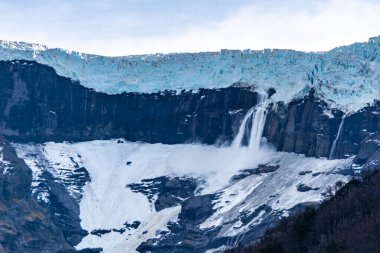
pixel 50 189
pixel 167 192
pixel 63 209
pixel 25 225
pixel 38 105
pixel 360 128
pixel 261 168
pixel 303 127
pixel 305 188
pixel 368 158
pixel 368 147
pixel 196 208
pixel 185 235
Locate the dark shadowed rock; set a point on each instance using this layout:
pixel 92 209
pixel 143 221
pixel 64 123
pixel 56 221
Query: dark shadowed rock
pixel 305 188
pixel 367 148
pixel 95 250
pixel 261 168
pixel 24 225
pixel 185 235
pixel 166 191
pixel 303 127
pixel 63 209
pixel 196 208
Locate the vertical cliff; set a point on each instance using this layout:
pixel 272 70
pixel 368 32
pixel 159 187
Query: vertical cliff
pixel 304 126
pixel 308 126
pixel 38 105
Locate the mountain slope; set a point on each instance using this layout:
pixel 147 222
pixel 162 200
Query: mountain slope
pixel 248 191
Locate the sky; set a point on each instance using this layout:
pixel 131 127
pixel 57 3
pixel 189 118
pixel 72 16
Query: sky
pixel 126 27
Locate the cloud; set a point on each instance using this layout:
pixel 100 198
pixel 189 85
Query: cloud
pixel 149 26
pixel 327 25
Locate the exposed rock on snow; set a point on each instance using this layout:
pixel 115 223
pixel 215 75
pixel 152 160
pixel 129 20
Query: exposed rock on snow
pixel 120 193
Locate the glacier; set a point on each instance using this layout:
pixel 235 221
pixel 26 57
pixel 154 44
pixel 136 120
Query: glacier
pixel 347 77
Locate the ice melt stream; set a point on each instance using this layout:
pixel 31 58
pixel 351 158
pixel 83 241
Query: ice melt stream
pixel 340 129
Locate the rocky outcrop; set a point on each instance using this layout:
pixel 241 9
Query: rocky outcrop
pixel 24 225
pixel 165 191
pixel 38 105
pixel 63 209
pixel 367 160
pixel 186 235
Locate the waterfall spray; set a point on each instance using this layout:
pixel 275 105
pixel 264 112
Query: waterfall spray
pixel 256 116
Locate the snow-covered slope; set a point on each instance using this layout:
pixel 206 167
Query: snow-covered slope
pixel 348 76
pixel 233 174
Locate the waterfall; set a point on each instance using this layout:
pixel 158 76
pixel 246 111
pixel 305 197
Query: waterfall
pixel 255 118
pixel 333 147
pixel 237 142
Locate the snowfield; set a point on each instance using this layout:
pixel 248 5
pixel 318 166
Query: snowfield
pixel 347 77
pixel 113 164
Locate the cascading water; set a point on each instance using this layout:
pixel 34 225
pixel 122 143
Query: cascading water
pixel 333 147
pixel 237 142
pixel 256 116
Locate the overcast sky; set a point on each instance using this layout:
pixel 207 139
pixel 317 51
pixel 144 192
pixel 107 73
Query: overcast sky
pixel 123 27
